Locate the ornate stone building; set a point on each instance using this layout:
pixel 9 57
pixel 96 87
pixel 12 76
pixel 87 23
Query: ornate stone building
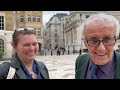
pixel 54 33
pixel 72 31
pixel 7 26
pixel 10 20
pixel 32 19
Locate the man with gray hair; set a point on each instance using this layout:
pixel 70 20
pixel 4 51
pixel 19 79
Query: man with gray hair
pixel 99 33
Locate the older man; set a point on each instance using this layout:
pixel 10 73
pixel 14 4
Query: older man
pixel 99 33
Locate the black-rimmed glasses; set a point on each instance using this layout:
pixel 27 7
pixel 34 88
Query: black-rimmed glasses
pixel 95 42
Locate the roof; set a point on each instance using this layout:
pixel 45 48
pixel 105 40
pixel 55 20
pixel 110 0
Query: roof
pixel 59 15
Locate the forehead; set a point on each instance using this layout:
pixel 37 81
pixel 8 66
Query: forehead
pixel 28 37
pixel 99 29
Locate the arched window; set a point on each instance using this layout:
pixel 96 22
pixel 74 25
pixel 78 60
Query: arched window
pixel 1 45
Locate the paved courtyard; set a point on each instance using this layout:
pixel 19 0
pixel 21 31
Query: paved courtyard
pixel 60 67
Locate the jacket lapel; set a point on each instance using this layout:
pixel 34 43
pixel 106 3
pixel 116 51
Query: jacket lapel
pixel 42 69
pixel 117 57
pixel 21 74
pixel 84 61
pixel 15 63
pixel 83 70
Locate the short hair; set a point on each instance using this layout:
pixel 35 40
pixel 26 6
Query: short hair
pixel 101 17
pixel 21 31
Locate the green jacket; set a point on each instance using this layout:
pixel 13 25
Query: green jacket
pixel 82 62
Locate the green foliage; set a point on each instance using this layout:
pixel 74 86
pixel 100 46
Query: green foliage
pixel 1 53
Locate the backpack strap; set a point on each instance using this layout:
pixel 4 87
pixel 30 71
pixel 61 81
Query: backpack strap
pixel 11 73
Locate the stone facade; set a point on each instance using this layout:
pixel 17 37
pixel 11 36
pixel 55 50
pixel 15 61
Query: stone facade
pixel 11 20
pixel 32 19
pixel 72 28
pixel 54 33
pixel 7 20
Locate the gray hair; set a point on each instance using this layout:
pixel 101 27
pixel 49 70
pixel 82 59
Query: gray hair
pixel 100 17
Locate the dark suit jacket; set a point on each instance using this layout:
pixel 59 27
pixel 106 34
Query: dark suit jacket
pixel 82 62
pixel 19 74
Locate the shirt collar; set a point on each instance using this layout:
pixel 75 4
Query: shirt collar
pixel 105 68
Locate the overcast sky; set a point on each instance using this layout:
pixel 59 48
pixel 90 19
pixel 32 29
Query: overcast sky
pixel 48 14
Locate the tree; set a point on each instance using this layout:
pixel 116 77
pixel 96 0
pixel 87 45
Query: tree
pixel 1 54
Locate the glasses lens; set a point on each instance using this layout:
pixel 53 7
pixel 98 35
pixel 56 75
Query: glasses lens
pixel 109 42
pixel 106 42
pixel 93 42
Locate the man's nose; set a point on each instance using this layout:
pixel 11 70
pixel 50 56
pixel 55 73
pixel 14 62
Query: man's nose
pixel 101 46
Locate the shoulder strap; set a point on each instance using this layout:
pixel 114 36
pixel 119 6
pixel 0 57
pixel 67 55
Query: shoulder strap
pixel 11 72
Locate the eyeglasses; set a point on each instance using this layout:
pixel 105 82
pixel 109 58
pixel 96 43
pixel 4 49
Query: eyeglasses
pixel 95 42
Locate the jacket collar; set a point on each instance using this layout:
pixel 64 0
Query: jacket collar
pixel 42 69
pixel 117 58
pixel 117 65
pixel 15 63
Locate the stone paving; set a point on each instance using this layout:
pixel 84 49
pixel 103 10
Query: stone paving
pixel 60 67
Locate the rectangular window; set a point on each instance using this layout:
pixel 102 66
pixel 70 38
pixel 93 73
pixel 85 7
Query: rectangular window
pixel 29 18
pixel 21 19
pixel 39 33
pixel 1 22
pixel 38 19
pixel 34 19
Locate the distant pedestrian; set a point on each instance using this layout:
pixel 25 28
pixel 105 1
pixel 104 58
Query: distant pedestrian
pixel 63 50
pixel 51 52
pixel 80 52
pixel 58 52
